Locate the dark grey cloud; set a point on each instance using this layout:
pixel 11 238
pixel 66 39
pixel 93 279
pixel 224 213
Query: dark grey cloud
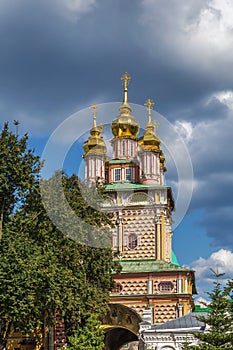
pixel 56 59
pixel 211 153
pixel 52 64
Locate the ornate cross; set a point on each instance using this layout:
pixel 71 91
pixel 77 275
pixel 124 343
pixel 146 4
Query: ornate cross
pixel 126 78
pixel 94 108
pixel 149 104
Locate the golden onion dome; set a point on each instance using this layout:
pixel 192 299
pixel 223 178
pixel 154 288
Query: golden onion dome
pixel 162 161
pixel 149 139
pixel 95 144
pixel 125 125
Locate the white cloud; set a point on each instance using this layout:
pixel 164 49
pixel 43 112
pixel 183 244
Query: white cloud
pixel 184 129
pixel 225 97
pixel 201 301
pixel 221 262
pixel 195 33
pixel 79 6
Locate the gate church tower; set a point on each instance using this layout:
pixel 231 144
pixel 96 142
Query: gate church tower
pixel 151 281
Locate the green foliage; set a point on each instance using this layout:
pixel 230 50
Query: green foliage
pixel 89 337
pixel 219 332
pixel 19 169
pixel 41 269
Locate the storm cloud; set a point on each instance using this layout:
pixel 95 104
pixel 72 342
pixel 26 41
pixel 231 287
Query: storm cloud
pixel 59 56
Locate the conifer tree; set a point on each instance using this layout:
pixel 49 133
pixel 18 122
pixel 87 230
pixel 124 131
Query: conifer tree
pixel 219 321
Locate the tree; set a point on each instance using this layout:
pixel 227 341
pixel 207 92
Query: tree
pixel 19 169
pixel 43 271
pixel 89 337
pixel 219 320
pixel 20 261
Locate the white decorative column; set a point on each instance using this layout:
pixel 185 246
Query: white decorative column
pixel 158 237
pixel 120 232
pixel 150 286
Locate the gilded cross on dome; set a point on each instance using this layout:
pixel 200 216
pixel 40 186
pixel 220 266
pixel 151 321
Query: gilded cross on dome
pixel 126 79
pixel 149 104
pixel 94 108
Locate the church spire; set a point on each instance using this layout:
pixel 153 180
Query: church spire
pixel 149 104
pixel 95 142
pixel 94 108
pixel 125 125
pixel 149 139
pixel 126 79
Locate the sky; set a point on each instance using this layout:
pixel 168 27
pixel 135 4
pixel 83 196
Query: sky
pixel 60 56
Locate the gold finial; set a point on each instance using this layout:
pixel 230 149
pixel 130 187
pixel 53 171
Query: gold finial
pixel 149 104
pixel 125 78
pixel 155 123
pixel 94 108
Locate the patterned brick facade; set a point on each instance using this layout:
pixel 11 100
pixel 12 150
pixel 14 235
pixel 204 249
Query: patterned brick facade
pixel 151 278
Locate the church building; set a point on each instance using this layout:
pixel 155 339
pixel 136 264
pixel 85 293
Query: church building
pixel 151 283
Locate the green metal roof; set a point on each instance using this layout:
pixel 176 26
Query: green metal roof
pixel 129 185
pixel 198 309
pixel 139 266
pixel 122 161
pixel 174 259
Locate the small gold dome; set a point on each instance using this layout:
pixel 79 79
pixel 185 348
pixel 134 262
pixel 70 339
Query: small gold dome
pixel 149 140
pixel 125 125
pixel 95 144
pixel 162 161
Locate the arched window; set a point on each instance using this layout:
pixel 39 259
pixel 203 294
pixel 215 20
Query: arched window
pixel 132 241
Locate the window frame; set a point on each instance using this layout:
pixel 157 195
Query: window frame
pixel 165 284
pixel 131 174
pixel 123 148
pixel 116 175
pixel 132 241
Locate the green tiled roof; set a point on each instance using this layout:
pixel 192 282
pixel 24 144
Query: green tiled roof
pixel 130 266
pixel 129 185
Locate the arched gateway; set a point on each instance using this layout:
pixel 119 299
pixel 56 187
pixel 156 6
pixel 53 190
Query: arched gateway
pixel 121 326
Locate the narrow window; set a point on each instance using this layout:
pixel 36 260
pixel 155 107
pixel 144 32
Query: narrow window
pixel 131 149
pixel 123 148
pixel 117 174
pixel 128 174
pixel 116 149
pixel 132 241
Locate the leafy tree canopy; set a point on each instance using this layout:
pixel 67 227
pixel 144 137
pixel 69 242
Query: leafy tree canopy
pixel 19 169
pixel 41 269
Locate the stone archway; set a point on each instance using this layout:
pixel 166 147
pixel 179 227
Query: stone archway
pixel 121 326
pixel 115 338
